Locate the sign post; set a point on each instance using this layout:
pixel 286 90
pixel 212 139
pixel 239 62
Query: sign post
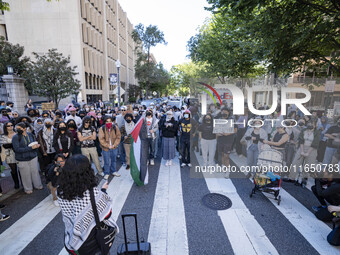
pixel 329 89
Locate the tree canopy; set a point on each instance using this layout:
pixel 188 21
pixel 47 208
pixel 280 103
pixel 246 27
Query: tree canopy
pixel 150 75
pixel 12 54
pixel 291 34
pixel 227 49
pixel 52 76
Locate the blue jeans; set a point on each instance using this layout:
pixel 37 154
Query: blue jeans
pixel 329 153
pixel 110 160
pixel 252 155
pixel 151 148
pixel 121 151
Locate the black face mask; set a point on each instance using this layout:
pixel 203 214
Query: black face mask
pixel 128 121
pixel 62 128
pixel 301 124
pixel 309 127
pixel 20 131
pixel 48 125
pixel 72 125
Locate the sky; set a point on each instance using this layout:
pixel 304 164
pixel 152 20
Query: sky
pixel 177 19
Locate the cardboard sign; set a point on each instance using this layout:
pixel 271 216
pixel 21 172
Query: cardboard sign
pixel 47 106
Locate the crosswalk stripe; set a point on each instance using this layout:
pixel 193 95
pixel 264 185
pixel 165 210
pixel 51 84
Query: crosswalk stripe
pixel 167 233
pixel 118 190
pixel 245 234
pixel 24 230
pixel 312 229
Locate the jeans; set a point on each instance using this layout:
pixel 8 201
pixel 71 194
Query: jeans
pixel 252 155
pixel 329 153
pixel 110 160
pixel 151 147
pixel 156 143
pixel 185 150
pixel 290 153
pixel 121 151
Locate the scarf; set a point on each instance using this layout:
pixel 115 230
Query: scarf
pixel 129 127
pixel 37 127
pixel 48 138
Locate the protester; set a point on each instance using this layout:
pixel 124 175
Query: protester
pixel 169 129
pixel 87 136
pixel 74 117
pixel 72 127
pixel 26 155
pixel 53 173
pixel 45 139
pixel 76 181
pixel 7 153
pixel 109 137
pixel 208 140
pixel 125 131
pixel 63 140
pixel 152 126
pixel 186 127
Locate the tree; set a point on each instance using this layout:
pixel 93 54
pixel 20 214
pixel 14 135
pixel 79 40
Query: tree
pixel 145 38
pixel 184 78
pixel 294 33
pixel 227 49
pixel 12 54
pixel 52 76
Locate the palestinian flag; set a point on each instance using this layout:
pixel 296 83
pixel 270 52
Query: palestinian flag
pixel 138 168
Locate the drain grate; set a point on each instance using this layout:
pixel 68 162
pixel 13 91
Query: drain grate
pixel 216 201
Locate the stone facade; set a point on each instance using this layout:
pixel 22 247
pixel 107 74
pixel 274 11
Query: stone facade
pixel 16 92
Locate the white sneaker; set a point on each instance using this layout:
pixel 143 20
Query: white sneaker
pixel 3 175
pixel 170 162
pixel 152 162
pixel 183 164
pixel 101 174
pixel 116 174
pixel 189 165
pixel 55 202
pixel 106 176
pixel 167 163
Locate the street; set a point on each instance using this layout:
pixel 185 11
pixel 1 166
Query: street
pixel 173 218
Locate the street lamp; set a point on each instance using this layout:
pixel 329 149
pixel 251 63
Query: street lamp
pixel 10 69
pixel 118 66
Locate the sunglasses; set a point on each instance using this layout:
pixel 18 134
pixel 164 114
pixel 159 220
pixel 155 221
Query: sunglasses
pixel 86 122
pixel 9 126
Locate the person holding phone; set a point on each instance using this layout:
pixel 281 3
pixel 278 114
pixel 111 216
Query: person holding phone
pixel 52 175
pixel 25 149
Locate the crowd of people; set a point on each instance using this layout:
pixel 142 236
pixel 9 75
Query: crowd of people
pixel 37 144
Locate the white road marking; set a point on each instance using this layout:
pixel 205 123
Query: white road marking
pixel 245 234
pixel 167 233
pixel 24 230
pixel 312 229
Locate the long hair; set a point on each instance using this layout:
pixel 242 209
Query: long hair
pixel 76 177
pixel 6 128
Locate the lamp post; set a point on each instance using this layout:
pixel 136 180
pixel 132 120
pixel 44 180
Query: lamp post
pixel 118 82
pixel 10 69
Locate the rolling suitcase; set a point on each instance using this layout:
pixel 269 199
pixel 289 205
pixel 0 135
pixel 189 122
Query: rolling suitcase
pixel 139 248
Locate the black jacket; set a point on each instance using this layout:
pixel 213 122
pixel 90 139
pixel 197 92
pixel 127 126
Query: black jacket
pixel 66 141
pixel 170 132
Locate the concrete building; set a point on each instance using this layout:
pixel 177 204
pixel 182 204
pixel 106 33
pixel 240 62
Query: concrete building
pixel 95 33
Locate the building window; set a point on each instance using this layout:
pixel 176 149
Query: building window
pixel 94 82
pixel 86 81
pixel 90 81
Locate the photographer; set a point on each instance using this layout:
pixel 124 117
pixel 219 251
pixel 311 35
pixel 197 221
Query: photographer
pixel 53 173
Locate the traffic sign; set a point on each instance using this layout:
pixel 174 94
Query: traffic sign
pixel 122 91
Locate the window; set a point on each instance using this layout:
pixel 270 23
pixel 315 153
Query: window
pixel 86 81
pixel 90 81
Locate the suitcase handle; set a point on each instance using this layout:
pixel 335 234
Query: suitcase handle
pixel 125 239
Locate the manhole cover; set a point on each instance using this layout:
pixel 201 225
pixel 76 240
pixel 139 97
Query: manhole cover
pixel 216 201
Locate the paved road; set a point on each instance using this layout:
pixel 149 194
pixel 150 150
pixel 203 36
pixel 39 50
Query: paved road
pixel 172 217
